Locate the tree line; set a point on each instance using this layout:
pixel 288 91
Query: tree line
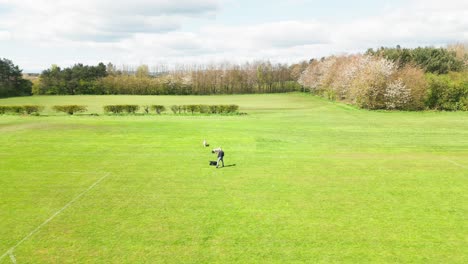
pixel 394 78
pixel 79 79
pixel 260 77
pixel 12 82
pixel 430 59
pixel 384 78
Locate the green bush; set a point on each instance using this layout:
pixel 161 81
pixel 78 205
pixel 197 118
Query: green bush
pixel 233 108
pixel 225 109
pixel 131 109
pixel 30 109
pixel 213 109
pixel 3 109
pixel 203 109
pixel 175 109
pixel 16 109
pixel 206 109
pixel 158 108
pixel 146 108
pixel 463 104
pixel 115 109
pixel 70 109
pixel 13 109
pixel 192 108
pixel 118 109
pixel 448 92
pixel 222 109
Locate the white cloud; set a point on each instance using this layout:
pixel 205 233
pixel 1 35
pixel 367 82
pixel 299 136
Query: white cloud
pixel 103 20
pixel 420 23
pixel 4 35
pixel 152 31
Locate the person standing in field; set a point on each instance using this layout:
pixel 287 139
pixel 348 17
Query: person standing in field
pixel 220 157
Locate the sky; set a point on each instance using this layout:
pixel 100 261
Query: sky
pixel 38 33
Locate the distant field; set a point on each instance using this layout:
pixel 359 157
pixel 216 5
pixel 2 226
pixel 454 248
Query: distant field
pixel 309 181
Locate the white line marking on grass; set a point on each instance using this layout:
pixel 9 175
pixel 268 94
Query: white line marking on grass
pixel 456 163
pixel 10 251
pixel 12 257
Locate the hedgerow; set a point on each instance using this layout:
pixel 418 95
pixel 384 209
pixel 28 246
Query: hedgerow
pixel 31 109
pixel 117 109
pixel 158 108
pixel 21 109
pixel 205 109
pixel 70 109
pixel 12 109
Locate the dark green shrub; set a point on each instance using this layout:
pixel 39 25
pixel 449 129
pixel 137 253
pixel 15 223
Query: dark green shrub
pixel 131 109
pixel 17 109
pixel 203 109
pixel 30 109
pixel 158 108
pixel 175 109
pixel 192 108
pixel 232 108
pixel 118 109
pixel 221 109
pixel 13 109
pixel 70 109
pixel 463 104
pixel 213 109
pixel 4 109
pixel 448 92
pixel 115 109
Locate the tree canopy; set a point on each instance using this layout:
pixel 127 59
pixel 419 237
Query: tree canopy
pixel 79 79
pixel 11 80
pixel 433 60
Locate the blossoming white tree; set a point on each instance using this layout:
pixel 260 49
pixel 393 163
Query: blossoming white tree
pixel 367 81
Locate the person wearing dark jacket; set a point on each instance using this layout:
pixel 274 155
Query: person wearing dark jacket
pixel 220 157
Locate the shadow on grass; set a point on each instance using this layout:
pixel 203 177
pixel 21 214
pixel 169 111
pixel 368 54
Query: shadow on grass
pixel 231 165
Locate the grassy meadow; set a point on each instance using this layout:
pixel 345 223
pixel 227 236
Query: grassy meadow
pixel 307 181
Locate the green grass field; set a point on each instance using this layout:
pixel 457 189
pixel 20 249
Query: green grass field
pixel 309 181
